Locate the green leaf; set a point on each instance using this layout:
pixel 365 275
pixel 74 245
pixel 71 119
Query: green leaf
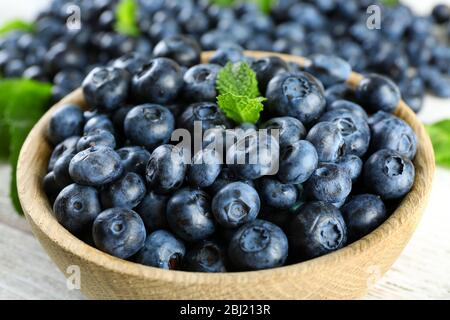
pixel 390 3
pixel 265 5
pixel 22 103
pixel 16 24
pixel 126 18
pixel 223 3
pixel 4 137
pixel 238 79
pixel 440 137
pixel 241 108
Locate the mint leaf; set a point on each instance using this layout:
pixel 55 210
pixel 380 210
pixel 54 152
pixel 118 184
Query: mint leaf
pixel 241 108
pixel 16 24
pixel 238 79
pixel 126 18
pixel 440 137
pixel 22 103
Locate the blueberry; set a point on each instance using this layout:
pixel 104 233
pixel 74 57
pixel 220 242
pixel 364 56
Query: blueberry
pixel 236 204
pixel 162 250
pixel 441 13
pixel 378 117
pixel 194 21
pixel 330 183
pixel 419 51
pixel 226 177
pixel 65 56
pixel 69 79
pixel 258 245
pixel 376 92
pixel 131 62
pixel 35 73
pixel 207 113
pixel 298 95
pixel 183 49
pixel 277 194
pixel 149 125
pixel 189 215
pixel 200 82
pixel 65 122
pixel 240 32
pixel 328 140
pixel 166 169
pixel 76 208
pixel 348 106
pixel 297 162
pixel 291 31
pixel 159 81
pixel 413 92
pixel 329 69
pixel 363 214
pixel 438 83
pixel 352 165
pixel 337 92
pixel 267 68
pixel 317 229
pixel 290 129
pixel 95 166
pixel 68 146
pixel 134 159
pixel 98 137
pixel 152 210
pixel 14 68
pixel 167 28
pixel 352 52
pixel 106 89
pixel 204 169
pixel 320 42
pixel 354 130
pixel 260 41
pixel 118 120
pixel 420 28
pixel 98 122
pixel 61 170
pixel 390 62
pixel 126 192
pixel 395 134
pixel 227 53
pixel 119 232
pixel 307 15
pixel 207 256
pixel 51 187
pixel 389 174
pixel 253 156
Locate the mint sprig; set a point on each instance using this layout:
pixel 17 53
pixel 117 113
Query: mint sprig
pixel 22 103
pixel 238 93
pixel 440 137
pixel 126 18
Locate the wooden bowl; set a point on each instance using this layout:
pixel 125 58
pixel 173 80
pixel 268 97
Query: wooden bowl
pixel 346 273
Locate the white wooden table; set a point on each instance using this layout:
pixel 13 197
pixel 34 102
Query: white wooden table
pixel 421 272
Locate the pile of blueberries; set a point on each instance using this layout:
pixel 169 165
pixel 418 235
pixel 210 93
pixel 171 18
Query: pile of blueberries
pixel 412 50
pixel 117 180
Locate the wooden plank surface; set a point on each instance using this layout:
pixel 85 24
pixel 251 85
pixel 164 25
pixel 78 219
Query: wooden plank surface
pixel 421 272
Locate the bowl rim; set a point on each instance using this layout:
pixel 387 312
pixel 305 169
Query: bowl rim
pixel 43 219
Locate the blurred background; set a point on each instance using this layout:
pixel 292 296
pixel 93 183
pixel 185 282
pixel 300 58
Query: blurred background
pixel 420 273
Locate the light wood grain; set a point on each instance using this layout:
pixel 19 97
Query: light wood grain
pixel 347 273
